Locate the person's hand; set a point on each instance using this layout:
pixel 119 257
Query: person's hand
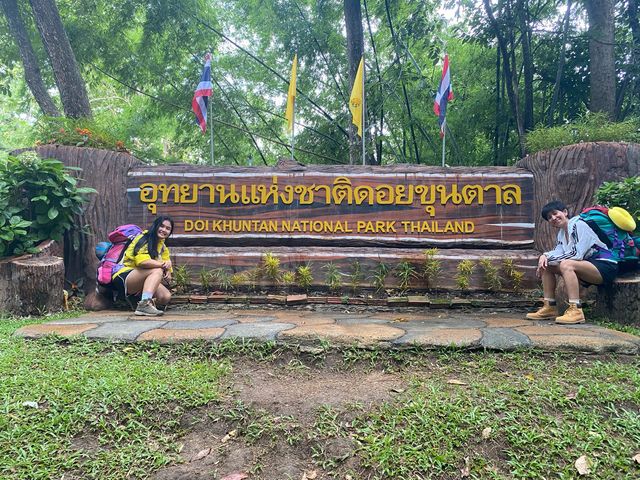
pixel 542 265
pixel 167 276
pixel 166 266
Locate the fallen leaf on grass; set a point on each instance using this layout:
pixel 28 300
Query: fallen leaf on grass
pixel 236 476
pixel 201 454
pixel 397 390
pixel 529 377
pixel 466 471
pixel 571 395
pixel 229 436
pixel 30 404
pixel 636 458
pixel 486 433
pixel 583 465
pixel 453 381
pixel 310 475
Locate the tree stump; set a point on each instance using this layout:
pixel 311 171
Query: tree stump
pixel 621 301
pixel 38 284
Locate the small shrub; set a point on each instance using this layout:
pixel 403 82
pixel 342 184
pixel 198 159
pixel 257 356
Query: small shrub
pixel 431 268
pixel 38 201
pixel 463 276
pixel 333 278
pixel 592 127
pixel 514 275
pixel 405 271
pixel 288 278
pixel 271 266
pixel 491 275
pixel 625 194
pixel 181 278
pixel 237 280
pixel 81 132
pixel 222 278
pixel 304 277
pixel 206 279
pixel 380 276
pixel 356 275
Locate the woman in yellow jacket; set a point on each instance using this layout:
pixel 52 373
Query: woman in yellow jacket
pixel 145 265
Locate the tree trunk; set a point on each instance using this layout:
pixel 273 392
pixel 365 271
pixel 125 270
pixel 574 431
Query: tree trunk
pixel 527 63
pixel 73 91
pixel 601 56
pixel 510 77
pixel 29 61
pixel 355 49
pixel 561 62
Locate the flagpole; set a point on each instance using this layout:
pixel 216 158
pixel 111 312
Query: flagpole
pixel 211 127
pixel 363 110
pixel 293 127
pixel 444 138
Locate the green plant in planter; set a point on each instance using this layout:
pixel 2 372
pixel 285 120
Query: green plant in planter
pixel 380 276
pixel 514 275
pixel 271 266
pixel 431 268
pixel 304 277
pixel 38 201
pixel 333 278
pixel 222 278
pixel 405 271
pixel 491 275
pixel 181 278
pixel 237 280
pixel 463 276
pixel 288 278
pixel 206 279
pixel 356 275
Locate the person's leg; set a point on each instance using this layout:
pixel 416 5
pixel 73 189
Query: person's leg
pixel 163 295
pixel 572 272
pixel 147 281
pixel 549 310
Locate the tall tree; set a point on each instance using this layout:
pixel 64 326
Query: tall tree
pixel 602 56
pixel 32 73
pixel 73 91
pixel 355 50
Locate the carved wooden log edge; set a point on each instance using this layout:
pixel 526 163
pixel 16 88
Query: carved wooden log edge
pixel 620 302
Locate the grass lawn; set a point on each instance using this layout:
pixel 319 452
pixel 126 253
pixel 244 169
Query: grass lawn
pixel 114 411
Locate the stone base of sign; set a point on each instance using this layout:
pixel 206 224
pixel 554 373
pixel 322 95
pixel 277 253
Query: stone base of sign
pixel 368 259
pixel 621 302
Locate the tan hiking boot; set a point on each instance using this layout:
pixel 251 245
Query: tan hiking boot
pixel 571 316
pixel 147 308
pixel 546 312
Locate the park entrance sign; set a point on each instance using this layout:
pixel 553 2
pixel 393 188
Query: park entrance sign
pixel 295 205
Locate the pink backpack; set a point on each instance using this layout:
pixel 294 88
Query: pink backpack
pixel 120 239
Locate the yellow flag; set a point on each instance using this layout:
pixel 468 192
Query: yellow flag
pixel 355 102
pixel 291 97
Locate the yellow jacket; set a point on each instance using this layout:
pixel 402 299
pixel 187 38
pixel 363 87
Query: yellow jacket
pixel 131 261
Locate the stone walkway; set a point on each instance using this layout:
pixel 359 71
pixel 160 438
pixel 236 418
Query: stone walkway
pixel 391 329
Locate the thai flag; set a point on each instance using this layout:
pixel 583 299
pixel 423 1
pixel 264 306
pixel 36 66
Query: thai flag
pixel 201 96
pixel 445 93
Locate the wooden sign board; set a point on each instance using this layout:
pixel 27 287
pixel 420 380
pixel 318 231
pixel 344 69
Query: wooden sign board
pixel 295 205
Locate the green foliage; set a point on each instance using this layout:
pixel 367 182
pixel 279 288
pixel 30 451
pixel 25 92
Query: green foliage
pixel 405 271
pixel 206 279
pixel 76 132
pixel 356 275
pixel 514 275
pixel 431 268
pixel 380 276
pixel 333 278
pixel 222 278
pixel 270 265
pixel 304 277
pixel 594 127
pixel 38 200
pixel 288 278
pixel 181 278
pixel 491 275
pixel 463 274
pixel 625 194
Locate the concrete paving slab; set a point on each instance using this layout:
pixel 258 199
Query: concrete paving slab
pixel 165 335
pixel 442 337
pixel 127 331
pixel 256 331
pixel 503 339
pixel 43 329
pixel 198 324
pixel 349 333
